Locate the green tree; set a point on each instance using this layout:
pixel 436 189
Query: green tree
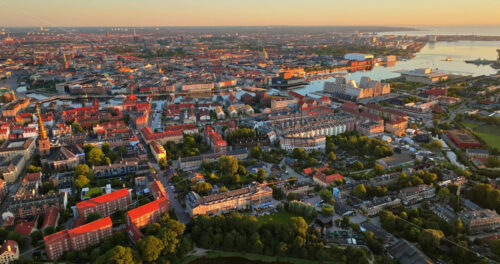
pixel 378 169
pixel 360 191
pixel 299 153
pixel 118 255
pixel 150 248
pixel 121 151
pixel 429 239
pixel 444 194
pixel 81 181
pixel 35 237
pixel 203 188
pixel 162 163
pixel 170 234
pixel 327 211
pixel 92 217
pixel 95 156
pixel 291 196
pixel 436 144
pixel 228 165
pixel 32 168
pixel 415 180
pixel 242 170
pixel 256 153
pixel 49 230
pixel 261 174
pixel 332 157
pixel 76 128
pixel 326 195
pixel 403 179
pixel 359 165
pixel 493 162
pixel 82 169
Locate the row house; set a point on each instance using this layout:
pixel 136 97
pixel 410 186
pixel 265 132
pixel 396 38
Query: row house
pixel 116 170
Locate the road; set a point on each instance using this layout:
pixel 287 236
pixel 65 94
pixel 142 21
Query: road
pixel 298 176
pixel 174 203
pixel 179 210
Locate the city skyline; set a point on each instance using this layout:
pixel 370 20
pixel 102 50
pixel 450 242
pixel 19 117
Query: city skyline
pixel 59 13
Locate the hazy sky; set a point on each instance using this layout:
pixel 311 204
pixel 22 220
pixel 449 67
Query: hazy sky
pixel 247 12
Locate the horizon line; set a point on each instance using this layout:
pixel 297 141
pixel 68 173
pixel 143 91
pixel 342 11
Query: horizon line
pixel 284 25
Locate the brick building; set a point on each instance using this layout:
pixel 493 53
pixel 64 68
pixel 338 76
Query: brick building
pixel 215 140
pixel 148 213
pixel 462 139
pixel 77 238
pixel 106 204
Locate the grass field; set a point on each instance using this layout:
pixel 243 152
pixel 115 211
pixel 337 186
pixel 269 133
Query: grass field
pixel 93 191
pixel 489 133
pixel 470 124
pixel 281 218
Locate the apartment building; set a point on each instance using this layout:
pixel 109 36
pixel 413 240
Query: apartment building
pixel 78 238
pixel 106 204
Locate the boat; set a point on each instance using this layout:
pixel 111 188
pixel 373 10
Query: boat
pixel 480 61
pixel 448 59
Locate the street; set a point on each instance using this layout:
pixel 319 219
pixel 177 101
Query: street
pixel 174 203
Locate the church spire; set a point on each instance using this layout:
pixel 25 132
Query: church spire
pixel 43 140
pixel 42 133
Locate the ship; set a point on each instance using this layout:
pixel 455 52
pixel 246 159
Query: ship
pixel 480 61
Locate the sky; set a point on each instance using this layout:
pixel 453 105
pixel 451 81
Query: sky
pixel 73 13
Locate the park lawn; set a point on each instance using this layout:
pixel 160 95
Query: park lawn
pixel 491 138
pixel 489 133
pixel 256 257
pixel 93 191
pixel 470 124
pixel 280 218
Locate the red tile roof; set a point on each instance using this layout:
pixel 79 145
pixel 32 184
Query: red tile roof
pixel 149 135
pixel 157 147
pixel 147 209
pixel 56 237
pixel 5 247
pixel 50 218
pixel 25 228
pixel 103 198
pixel 158 189
pixel 92 226
pixel 214 137
pixel 35 176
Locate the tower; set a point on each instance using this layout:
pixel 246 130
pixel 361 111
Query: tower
pixel 66 63
pixel 43 140
pixel 264 55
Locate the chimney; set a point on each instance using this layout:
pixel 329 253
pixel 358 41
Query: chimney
pixel 8 248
